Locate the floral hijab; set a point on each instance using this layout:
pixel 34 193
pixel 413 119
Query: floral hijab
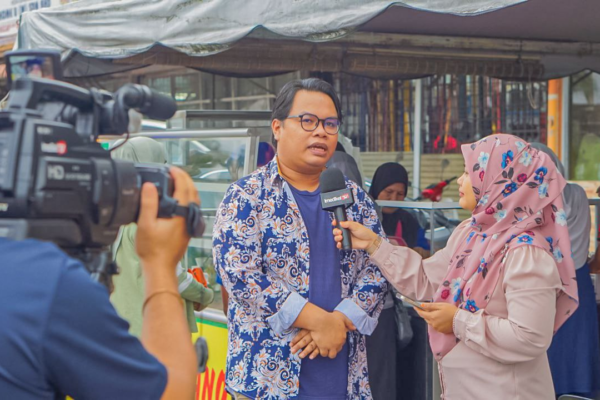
pixel 519 203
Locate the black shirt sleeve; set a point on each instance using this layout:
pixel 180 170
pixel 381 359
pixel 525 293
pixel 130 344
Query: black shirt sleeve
pixel 87 350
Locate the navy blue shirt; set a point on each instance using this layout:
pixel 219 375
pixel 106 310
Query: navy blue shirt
pixel 59 334
pixel 322 378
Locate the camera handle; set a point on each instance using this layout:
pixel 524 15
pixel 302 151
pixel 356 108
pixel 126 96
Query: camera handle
pixel 194 222
pixel 99 264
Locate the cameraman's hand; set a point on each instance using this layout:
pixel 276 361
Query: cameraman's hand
pixel 160 244
pixel 163 241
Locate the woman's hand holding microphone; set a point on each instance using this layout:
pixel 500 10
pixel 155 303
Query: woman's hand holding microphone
pixel 362 238
pixel 438 315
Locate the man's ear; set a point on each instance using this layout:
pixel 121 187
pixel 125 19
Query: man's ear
pixel 276 126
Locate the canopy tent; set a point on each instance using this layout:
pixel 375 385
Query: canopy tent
pixel 534 39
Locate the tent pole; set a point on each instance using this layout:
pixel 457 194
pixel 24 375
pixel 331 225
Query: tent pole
pixel 417 142
pixel 565 122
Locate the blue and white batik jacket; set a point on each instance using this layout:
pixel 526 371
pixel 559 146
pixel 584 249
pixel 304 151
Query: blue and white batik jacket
pixel 261 253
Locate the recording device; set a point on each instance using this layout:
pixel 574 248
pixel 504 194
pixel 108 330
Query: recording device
pixel 56 182
pixel 412 302
pixel 33 64
pixel 336 198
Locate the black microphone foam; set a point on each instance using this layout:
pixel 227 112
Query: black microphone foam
pixel 160 106
pixel 149 102
pixel 331 180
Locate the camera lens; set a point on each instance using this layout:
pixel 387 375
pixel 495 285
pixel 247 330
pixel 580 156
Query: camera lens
pixel 116 193
pixel 129 186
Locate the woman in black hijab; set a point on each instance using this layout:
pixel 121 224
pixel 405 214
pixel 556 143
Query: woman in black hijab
pixel 386 367
pixel 390 182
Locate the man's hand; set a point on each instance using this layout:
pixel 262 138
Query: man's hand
pixel 439 316
pixel 330 335
pixel 163 241
pixel 304 341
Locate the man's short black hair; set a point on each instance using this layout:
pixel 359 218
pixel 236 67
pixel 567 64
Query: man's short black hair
pixel 285 98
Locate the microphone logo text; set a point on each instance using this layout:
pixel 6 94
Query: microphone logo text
pixel 344 196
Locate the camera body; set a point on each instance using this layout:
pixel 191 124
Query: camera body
pixel 58 184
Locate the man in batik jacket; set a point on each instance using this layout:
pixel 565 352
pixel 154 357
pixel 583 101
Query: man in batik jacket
pixel 299 307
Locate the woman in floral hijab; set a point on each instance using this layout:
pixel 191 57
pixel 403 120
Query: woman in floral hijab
pixel 505 282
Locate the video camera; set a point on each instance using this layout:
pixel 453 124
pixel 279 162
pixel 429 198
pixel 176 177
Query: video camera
pixel 56 182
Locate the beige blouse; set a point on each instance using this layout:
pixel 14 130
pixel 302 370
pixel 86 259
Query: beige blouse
pixel 502 349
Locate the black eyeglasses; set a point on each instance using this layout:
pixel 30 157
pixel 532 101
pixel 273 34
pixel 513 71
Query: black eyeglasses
pixel 311 122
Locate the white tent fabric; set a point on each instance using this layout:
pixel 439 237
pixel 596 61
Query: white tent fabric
pixel 93 33
pixel 121 28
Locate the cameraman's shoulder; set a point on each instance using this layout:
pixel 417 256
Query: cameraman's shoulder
pixel 37 269
pixel 35 253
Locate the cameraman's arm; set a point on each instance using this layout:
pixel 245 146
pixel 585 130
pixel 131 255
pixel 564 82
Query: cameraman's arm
pixel 160 244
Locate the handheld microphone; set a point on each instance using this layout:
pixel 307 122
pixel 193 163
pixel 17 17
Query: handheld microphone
pixel 335 198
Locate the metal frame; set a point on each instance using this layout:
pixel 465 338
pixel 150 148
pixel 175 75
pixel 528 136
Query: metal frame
pixel 427 206
pixel 194 133
pixel 224 115
pixel 211 314
pixel 417 139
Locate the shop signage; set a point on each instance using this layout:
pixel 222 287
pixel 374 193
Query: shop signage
pixel 11 10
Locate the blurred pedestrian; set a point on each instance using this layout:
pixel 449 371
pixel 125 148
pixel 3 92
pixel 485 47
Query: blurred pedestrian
pixel 575 351
pixel 128 294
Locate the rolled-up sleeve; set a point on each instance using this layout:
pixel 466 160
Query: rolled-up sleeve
pixel 364 323
pixel 192 290
pixel 238 261
pixel 288 313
